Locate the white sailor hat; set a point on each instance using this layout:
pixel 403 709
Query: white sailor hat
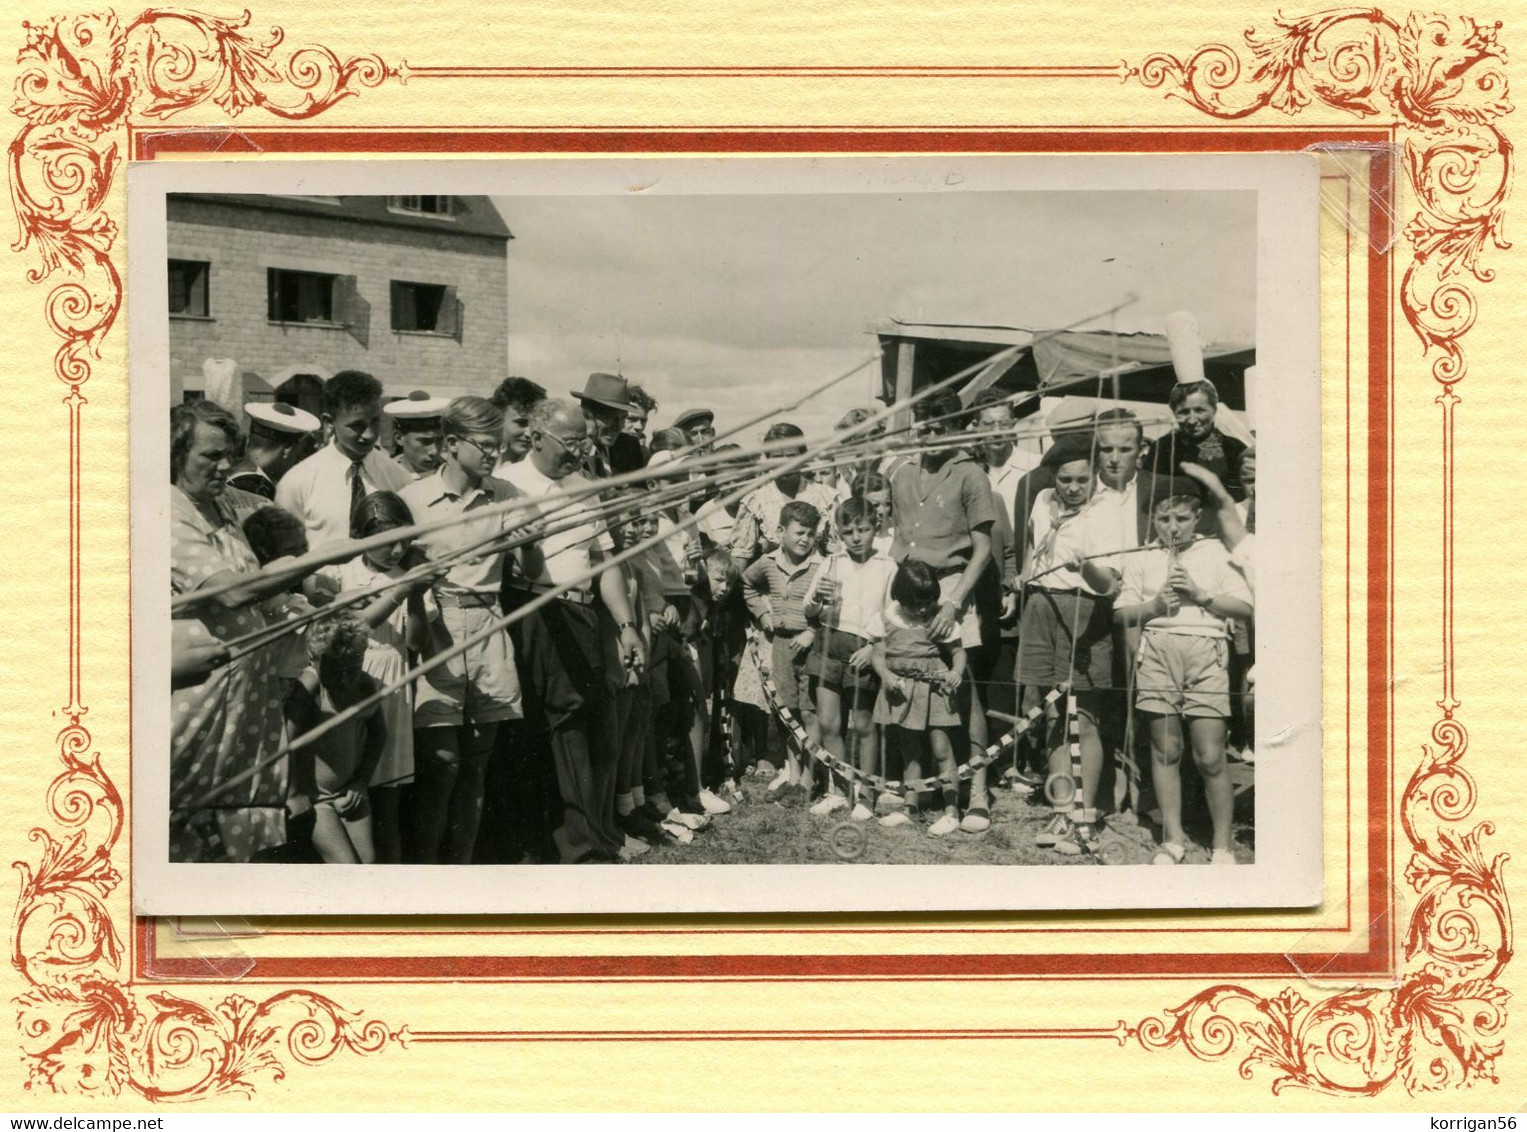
pixel 278 416
pixel 417 406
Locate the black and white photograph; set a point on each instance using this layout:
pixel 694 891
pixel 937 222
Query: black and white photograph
pixel 760 534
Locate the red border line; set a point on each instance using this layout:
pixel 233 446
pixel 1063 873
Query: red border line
pixel 1117 1034
pixel 150 144
pixel 1379 957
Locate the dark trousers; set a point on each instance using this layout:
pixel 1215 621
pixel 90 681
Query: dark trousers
pixel 564 662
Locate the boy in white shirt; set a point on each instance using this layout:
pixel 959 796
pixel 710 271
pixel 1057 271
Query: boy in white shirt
pixel 1183 592
pixel 846 597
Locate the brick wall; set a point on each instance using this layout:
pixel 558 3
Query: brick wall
pixel 240 244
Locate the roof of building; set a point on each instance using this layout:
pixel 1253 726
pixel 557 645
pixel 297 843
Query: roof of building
pixel 469 216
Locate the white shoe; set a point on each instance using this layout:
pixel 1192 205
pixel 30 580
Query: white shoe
pixel 862 812
pixel 975 823
pixel 829 804
pixel 678 832
pixel 1222 857
pixel 899 817
pixel 714 804
pixel 633 848
pixel 763 769
pixel 689 821
pixel 944 826
pixel 781 780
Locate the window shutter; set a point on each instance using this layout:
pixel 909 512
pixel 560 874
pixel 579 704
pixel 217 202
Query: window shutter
pixel 272 295
pixel 404 317
pixel 351 310
pixel 448 321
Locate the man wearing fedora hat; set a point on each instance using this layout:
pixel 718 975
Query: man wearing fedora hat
pixel 606 400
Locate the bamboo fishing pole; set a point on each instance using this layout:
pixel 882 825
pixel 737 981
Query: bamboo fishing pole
pixel 499 624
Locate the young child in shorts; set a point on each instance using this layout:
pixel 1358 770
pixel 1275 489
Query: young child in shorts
pixel 774 589
pixel 343 760
pixel 1182 595
pixel 919 680
pixel 846 599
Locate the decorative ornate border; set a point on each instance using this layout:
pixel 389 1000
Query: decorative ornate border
pixel 1443 78
pixel 84 78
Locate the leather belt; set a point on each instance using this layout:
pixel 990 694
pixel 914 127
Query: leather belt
pixel 466 599
pixel 572 597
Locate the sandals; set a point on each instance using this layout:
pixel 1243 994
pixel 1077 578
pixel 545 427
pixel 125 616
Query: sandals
pixel 1170 853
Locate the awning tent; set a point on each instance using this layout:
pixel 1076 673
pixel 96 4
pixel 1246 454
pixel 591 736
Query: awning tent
pixel 916 355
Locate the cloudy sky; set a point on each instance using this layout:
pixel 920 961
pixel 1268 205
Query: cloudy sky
pixel 741 302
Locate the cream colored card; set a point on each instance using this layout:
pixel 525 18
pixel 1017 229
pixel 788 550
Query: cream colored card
pixel 1395 986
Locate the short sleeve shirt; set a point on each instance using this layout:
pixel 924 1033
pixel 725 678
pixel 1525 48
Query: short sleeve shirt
pixel 937 512
pixel 1207 563
pixel 568 554
pixel 431 498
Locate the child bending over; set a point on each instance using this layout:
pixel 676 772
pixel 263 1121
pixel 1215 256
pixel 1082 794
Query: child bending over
pixel 342 761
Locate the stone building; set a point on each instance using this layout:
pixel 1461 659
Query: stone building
pixel 290 289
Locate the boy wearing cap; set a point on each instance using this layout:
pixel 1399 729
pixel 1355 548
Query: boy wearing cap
pixel 417 432
pixel 324 488
pixel 277 432
pixel 1181 595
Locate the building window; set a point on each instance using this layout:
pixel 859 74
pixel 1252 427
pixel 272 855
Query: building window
pixel 427 206
pixel 426 308
pixel 188 288
pixel 301 296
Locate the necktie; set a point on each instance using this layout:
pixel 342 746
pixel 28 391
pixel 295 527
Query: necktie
pixel 357 488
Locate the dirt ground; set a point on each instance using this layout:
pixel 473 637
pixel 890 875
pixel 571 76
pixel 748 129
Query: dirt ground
pixel 762 831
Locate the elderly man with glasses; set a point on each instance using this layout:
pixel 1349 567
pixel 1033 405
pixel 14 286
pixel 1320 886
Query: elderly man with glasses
pixel 567 640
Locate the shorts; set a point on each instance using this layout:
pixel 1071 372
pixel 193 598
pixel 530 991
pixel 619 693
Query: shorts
pixel 830 665
pixel 480 685
pixel 1065 636
pixel 686 680
pixel 970 620
pixel 1181 674
pixel 789 675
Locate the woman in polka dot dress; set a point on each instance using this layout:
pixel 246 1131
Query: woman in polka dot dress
pixel 232 720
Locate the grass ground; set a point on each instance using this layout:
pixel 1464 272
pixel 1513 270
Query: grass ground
pixel 760 830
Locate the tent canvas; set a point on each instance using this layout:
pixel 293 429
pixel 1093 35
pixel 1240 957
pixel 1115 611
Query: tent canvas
pixel 1046 360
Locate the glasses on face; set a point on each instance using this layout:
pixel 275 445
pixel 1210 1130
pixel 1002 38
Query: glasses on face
pixel 490 449
pixel 578 446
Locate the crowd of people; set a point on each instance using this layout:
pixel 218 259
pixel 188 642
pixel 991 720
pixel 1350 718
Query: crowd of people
pixel 533 632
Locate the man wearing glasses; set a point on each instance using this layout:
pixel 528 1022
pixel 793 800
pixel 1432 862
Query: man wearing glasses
pixel 459 705
pixel 565 640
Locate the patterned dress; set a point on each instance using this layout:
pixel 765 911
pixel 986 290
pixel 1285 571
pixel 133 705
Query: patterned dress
pixel 385 661
pixel 232 720
pixel 911 651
